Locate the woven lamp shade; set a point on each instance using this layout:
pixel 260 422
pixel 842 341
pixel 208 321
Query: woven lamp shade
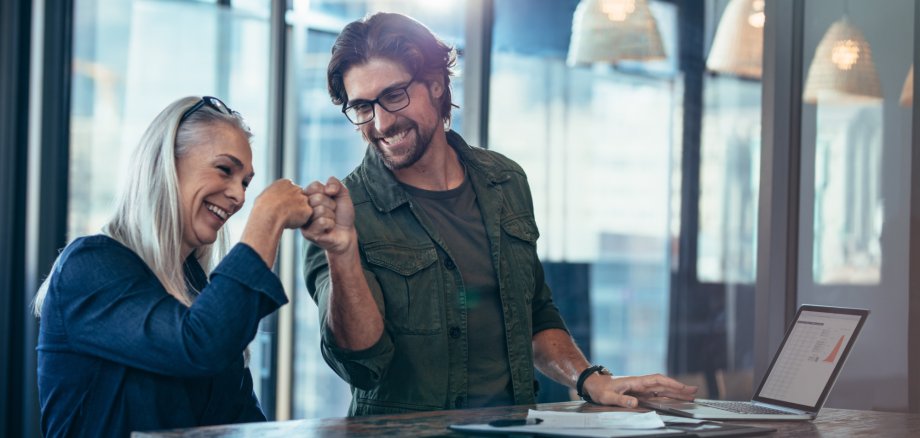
pixel 907 94
pixel 614 30
pixel 842 69
pixel 737 48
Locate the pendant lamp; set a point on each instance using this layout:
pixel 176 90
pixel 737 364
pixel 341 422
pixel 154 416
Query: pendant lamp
pixel 614 30
pixel 842 69
pixel 737 48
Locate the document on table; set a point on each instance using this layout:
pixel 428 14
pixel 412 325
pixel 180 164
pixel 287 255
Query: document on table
pixel 610 420
pixel 598 424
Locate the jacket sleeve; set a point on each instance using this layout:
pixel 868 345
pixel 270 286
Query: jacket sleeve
pixel 112 306
pixel 544 313
pixel 364 369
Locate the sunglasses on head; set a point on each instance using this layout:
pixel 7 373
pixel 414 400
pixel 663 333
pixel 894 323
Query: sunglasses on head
pixel 210 101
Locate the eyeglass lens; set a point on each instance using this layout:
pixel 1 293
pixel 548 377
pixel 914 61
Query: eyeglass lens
pixel 391 101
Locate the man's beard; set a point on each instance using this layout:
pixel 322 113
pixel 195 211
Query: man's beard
pixel 406 156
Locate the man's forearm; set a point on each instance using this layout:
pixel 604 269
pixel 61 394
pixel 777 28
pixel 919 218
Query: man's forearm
pixel 556 355
pixel 353 316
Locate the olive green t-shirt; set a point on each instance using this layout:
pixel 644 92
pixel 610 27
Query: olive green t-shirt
pixel 455 213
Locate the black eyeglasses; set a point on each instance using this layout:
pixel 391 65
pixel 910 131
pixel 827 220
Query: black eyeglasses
pixel 212 102
pixel 391 100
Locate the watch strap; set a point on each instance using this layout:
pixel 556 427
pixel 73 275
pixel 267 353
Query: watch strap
pixel 580 384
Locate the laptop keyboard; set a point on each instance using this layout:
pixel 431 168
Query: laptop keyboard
pixel 740 407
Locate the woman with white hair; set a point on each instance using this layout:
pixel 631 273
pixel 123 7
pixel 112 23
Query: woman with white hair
pixel 133 334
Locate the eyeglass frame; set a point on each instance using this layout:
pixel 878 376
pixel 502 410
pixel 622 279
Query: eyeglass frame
pixel 212 102
pixel 376 101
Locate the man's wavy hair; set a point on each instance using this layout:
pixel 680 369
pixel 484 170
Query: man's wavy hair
pixel 397 38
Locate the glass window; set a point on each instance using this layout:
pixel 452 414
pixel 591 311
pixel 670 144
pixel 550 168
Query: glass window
pixel 854 218
pixel 603 147
pixel 128 66
pixel 327 145
pixel 600 169
pixel 729 176
pixel 729 179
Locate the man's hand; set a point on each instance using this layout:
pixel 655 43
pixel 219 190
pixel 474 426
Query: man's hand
pixel 621 391
pixel 353 316
pixel 332 225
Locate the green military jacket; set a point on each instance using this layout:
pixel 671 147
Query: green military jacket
pixel 420 361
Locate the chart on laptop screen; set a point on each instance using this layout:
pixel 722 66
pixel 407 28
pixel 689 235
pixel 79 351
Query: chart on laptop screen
pixel 809 356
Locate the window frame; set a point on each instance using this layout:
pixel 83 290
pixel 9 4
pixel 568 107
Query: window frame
pixel 44 199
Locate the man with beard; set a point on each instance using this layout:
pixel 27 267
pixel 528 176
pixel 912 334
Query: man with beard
pixel 424 264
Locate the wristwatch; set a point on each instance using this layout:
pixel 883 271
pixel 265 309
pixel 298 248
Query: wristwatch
pixel 580 385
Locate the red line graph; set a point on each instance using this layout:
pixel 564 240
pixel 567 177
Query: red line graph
pixel 833 355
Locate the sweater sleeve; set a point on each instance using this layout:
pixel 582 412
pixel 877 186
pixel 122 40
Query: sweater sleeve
pixel 112 306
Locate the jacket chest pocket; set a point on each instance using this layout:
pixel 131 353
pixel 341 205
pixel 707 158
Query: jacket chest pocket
pixel 410 280
pixel 520 237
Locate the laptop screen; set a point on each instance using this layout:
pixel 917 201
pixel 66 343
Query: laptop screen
pixel 811 355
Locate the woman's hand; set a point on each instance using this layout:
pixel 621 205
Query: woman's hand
pixel 281 205
pixel 284 203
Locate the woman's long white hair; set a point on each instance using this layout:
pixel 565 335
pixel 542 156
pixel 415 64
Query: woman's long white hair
pixel 148 217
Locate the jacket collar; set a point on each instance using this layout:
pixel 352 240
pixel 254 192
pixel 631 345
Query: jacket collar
pixel 385 191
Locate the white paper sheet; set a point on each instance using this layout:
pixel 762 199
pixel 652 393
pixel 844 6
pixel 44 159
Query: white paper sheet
pixel 586 432
pixel 606 420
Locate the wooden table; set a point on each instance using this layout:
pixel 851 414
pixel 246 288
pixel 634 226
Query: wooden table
pixel 830 423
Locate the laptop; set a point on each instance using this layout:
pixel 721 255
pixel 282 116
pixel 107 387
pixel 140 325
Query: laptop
pixel 799 378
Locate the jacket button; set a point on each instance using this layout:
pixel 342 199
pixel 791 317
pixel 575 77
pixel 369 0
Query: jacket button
pixel 455 332
pixel 458 402
pixel 449 264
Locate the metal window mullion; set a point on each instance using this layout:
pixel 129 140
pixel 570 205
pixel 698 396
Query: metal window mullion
pixel 913 334
pixel 685 288
pixel 15 19
pixel 282 322
pixel 778 210
pixel 477 55
pixel 49 165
